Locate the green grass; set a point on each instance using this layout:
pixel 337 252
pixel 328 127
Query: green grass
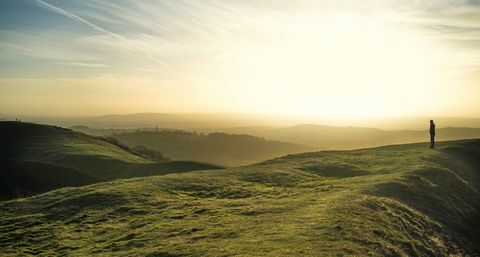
pixel 37 158
pixel 403 200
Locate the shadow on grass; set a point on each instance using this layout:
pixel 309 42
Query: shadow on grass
pixel 338 170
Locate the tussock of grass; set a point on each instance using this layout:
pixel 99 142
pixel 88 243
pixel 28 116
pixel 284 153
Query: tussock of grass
pixel 408 201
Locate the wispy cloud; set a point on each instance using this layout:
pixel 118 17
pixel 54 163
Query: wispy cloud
pixel 122 40
pixel 83 64
pixel 75 17
pixel 175 33
pixel 44 45
pixel 246 49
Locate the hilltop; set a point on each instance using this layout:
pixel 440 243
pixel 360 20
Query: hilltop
pixel 37 158
pixel 400 200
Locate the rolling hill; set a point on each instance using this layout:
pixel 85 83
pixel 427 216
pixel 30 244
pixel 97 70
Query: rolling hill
pixel 399 200
pixel 37 158
pixel 218 148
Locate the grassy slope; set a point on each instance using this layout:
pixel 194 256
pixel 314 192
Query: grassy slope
pixel 403 200
pixel 37 158
pixel 42 142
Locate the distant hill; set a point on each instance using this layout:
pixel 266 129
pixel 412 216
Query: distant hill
pixel 330 138
pixel 219 148
pixel 37 158
pixel 220 121
pixel 400 200
pixel 186 121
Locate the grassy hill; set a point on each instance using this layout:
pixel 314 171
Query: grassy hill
pixel 37 158
pixel 400 200
pixel 219 148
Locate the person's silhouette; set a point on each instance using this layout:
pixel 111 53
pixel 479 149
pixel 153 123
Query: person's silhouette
pixel 432 134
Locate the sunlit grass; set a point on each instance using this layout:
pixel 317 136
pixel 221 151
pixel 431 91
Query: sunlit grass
pixel 403 200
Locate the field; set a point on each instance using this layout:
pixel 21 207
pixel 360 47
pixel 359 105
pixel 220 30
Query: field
pixel 401 200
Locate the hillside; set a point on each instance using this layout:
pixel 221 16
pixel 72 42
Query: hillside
pixel 37 158
pixel 400 200
pixel 219 148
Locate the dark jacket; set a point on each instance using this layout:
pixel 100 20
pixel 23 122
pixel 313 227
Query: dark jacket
pixel 432 129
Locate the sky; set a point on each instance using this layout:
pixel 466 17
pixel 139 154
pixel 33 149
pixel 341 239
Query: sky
pixel 347 59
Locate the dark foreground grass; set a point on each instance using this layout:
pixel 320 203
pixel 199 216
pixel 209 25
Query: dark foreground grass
pixel 403 200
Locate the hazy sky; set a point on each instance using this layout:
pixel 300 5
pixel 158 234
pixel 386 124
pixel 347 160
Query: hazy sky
pixel 325 58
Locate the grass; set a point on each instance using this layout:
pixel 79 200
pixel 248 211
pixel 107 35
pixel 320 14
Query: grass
pixel 403 200
pixel 37 158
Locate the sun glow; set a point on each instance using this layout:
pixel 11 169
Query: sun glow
pixel 331 59
pixel 342 65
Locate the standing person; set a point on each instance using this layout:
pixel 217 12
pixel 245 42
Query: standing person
pixel 432 134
